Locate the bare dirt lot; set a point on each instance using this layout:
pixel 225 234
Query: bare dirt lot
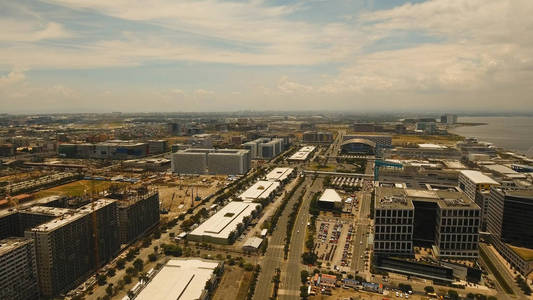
pixel 234 283
pixel 178 194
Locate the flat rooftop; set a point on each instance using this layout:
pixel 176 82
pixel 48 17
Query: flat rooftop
pixel 401 198
pixel 221 224
pixel 431 146
pixel 260 190
pixel 477 177
pixel 11 243
pixel 303 153
pixel 525 253
pixel 72 215
pixel 179 279
pixel 279 174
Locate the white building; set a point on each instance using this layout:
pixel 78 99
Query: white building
pixel 303 153
pixel 280 174
pixel 260 190
pixel 330 199
pixel 181 279
pixel 476 186
pixel 211 161
pixel 226 224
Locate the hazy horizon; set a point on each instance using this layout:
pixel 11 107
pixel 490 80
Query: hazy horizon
pixel 73 56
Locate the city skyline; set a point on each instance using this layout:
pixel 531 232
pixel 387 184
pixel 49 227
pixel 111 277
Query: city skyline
pixel 101 56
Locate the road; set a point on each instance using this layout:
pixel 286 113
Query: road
pixel 290 275
pixel 361 234
pixel 503 271
pixel 274 255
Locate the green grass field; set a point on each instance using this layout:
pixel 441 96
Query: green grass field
pixel 77 188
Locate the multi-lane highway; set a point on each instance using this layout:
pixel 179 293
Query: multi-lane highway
pixel 290 278
pixel 274 255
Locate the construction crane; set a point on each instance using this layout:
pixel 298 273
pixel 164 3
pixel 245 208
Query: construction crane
pixel 171 202
pixel 382 163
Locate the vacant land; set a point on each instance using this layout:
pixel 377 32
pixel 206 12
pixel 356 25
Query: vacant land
pixel 451 139
pixel 78 188
pixel 234 284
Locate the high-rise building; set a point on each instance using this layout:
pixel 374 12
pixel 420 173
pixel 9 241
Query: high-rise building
pixel 265 148
pixel 211 161
pixel 476 186
pixel 72 246
pixel 447 221
pixel 448 119
pixel 18 269
pixel 138 214
pixel 509 223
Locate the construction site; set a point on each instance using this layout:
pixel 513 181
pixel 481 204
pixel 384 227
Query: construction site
pixel 178 194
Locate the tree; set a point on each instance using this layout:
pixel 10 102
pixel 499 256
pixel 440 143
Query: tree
pixel 131 271
pixel 109 289
pixel 303 292
pixel 101 278
pixel 121 263
pixel 127 279
pixel 152 257
pixel 303 276
pixel 111 272
pixel 309 258
pixel 453 295
pixel 138 264
pixel 429 289
pixel 130 255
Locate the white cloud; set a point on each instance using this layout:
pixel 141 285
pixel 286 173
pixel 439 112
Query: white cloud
pixel 23 31
pixel 203 93
pixel 13 77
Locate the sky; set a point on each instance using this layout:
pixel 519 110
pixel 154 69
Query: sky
pixel 61 56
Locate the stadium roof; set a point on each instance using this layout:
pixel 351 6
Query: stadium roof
pixel 359 141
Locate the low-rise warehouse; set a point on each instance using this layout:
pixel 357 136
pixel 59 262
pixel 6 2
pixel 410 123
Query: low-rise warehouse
pixel 182 279
pixel 280 174
pixel 226 224
pixel 261 190
pixel 303 153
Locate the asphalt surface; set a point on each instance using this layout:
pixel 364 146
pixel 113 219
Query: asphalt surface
pixel 503 271
pixel 274 255
pixel 290 275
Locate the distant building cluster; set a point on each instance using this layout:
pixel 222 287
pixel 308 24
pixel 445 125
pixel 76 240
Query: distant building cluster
pixel 265 148
pixel 317 137
pixel 211 161
pixel 114 149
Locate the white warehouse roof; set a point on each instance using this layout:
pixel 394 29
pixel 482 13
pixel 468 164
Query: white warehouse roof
pixel 179 279
pixel 221 224
pixel 253 242
pixel 303 153
pixel 330 195
pixel 260 190
pixel 279 174
pixel 478 177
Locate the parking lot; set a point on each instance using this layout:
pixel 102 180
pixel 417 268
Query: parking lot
pixel 334 243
